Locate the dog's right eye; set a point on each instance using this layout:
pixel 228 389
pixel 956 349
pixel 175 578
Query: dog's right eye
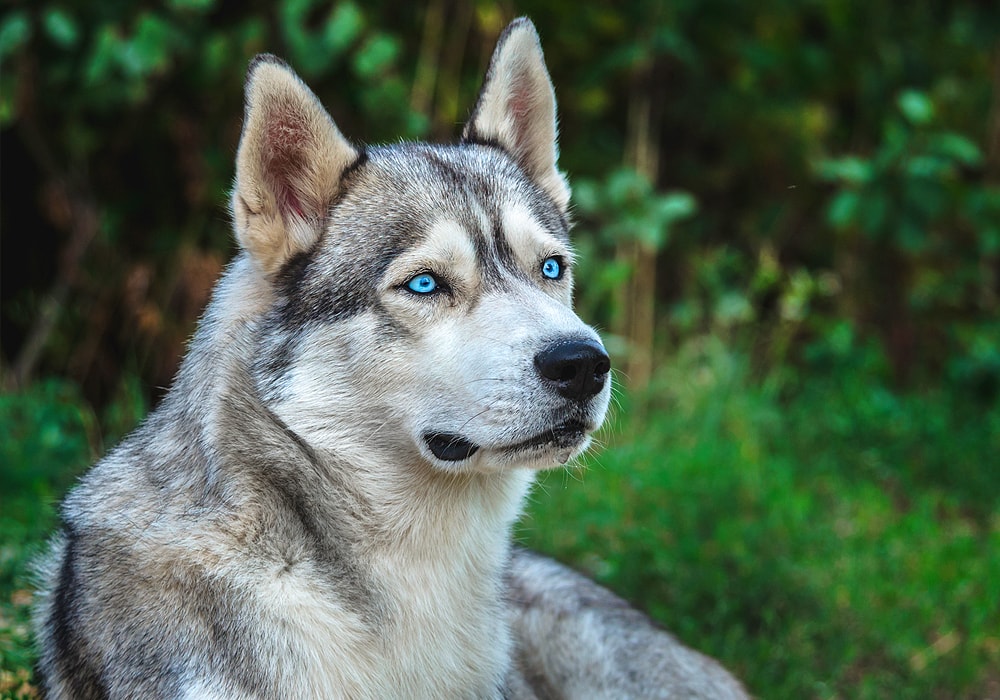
pixel 424 283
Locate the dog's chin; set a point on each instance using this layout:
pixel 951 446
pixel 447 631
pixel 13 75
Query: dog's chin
pixel 547 449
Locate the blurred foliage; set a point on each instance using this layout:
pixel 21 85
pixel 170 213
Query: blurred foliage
pixel 810 497
pixel 820 163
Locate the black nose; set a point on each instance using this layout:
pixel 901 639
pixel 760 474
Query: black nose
pixel 577 367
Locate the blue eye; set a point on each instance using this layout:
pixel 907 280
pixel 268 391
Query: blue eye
pixel 422 284
pixel 552 268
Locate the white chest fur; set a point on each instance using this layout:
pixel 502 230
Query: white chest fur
pixel 440 628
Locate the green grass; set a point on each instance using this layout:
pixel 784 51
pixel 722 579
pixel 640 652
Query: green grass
pixel 51 436
pixel 832 542
pixel 822 535
pixel 48 439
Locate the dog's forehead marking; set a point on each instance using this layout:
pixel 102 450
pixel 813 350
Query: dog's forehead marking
pixel 525 233
pixel 467 198
pixel 446 241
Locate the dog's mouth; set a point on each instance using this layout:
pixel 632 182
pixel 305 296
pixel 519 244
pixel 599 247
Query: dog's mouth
pixel 454 448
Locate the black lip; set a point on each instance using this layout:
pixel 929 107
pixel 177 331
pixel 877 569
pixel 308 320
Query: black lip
pixel 450 448
pixel 454 448
pixel 566 434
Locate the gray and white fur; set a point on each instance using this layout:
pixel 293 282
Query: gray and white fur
pixel 321 505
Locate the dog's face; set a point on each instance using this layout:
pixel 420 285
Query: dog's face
pixel 422 294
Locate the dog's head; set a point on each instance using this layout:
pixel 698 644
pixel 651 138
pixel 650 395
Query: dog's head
pixel 421 295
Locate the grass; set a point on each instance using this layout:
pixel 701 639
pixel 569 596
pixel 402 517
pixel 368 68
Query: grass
pixel 822 535
pixel 831 540
pixel 47 441
pixel 51 436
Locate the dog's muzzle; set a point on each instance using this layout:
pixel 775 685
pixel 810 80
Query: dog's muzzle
pixel 574 367
pixel 577 368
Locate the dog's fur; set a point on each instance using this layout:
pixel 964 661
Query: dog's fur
pixel 321 506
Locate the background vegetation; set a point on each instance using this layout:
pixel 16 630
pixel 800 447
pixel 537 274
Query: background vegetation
pixel 789 215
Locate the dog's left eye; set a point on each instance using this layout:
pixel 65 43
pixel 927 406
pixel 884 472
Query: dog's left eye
pixel 552 268
pixel 424 283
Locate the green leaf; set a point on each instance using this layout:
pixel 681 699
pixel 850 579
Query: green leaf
pixel 733 307
pixel 14 32
pixel 61 27
pixel 841 337
pixel 957 147
pixel 916 106
pixel 930 167
pixel 149 49
pixel 216 54
pixel 850 169
pixel 586 196
pixel 625 186
pixel 614 273
pixel 651 235
pixel 308 48
pixel 674 206
pixel 843 210
pixel 376 55
pixel 104 55
pixel 344 27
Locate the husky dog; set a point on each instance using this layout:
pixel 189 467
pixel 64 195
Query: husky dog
pixel 321 506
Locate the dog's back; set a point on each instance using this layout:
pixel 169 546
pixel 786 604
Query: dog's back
pixel 575 639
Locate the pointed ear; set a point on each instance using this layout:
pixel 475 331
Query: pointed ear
pixel 288 167
pixel 516 108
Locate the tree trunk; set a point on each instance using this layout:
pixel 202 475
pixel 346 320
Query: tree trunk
pixel 447 110
pixel 428 64
pixel 639 304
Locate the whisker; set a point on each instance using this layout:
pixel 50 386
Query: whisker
pixel 485 410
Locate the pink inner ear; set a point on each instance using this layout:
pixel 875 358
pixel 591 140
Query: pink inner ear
pixel 519 105
pixel 287 141
pixel 520 100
